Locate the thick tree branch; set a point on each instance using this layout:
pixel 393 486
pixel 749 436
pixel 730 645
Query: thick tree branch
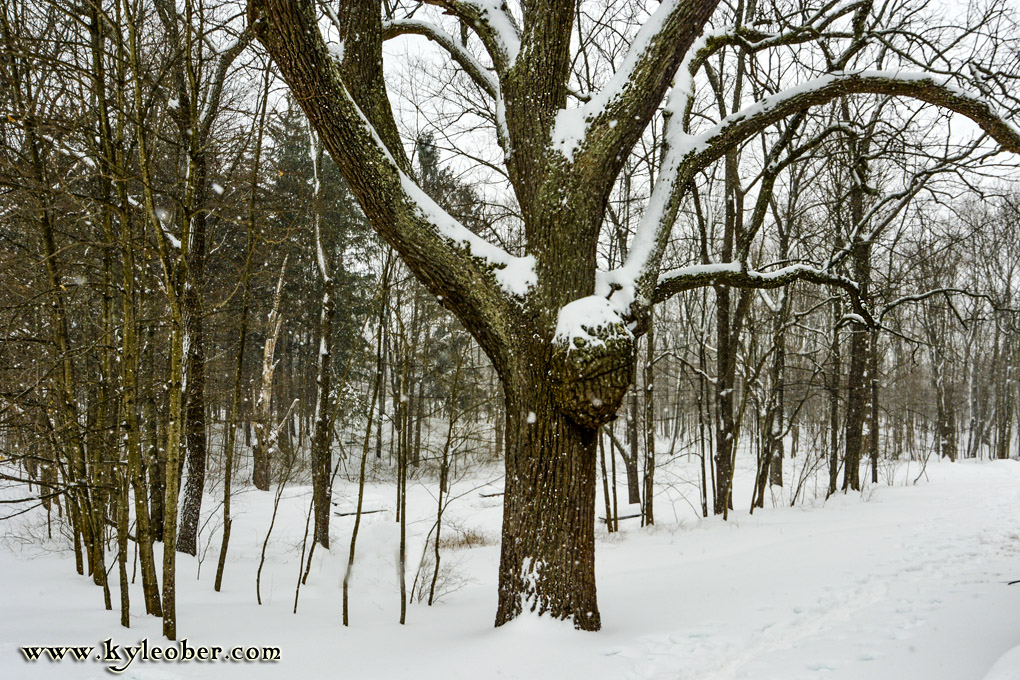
pixel 593 135
pixel 492 23
pixel 361 68
pixel 472 277
pixel 707 147
pixel 687 155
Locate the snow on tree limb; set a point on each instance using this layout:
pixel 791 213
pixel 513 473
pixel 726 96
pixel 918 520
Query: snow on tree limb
pixel 689 154
pixel 707 147
pixel 493 24
pixel 738 275
pixel 614 117
pixel 475 70
pixel 475 278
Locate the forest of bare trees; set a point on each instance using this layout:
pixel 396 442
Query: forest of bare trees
pixel 568 242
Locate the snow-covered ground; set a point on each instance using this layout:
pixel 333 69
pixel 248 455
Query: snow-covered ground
pixel 901 582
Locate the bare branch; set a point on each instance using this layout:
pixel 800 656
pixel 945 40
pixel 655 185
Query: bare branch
pixel 478 73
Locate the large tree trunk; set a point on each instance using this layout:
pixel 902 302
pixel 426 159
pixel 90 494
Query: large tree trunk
pixel 547 562
pixel 554 405
pixel 556 399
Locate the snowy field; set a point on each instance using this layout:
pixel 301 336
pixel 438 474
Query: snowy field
pixel 900 582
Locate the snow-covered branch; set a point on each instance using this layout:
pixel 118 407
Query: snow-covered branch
pixel 689 154
pixel 707 147
pixel 475 70
pixel 738 276
pixel 618 113
pixel 492 23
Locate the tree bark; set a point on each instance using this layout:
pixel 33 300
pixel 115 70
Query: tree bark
pixel 547 561
pixel 832 387
pixel 194 416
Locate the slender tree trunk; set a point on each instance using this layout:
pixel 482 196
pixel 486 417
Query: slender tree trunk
pixel 610 527
pixel 155 457
pixel 231 425
pixel 195 423
pixel 121 513
pixel 729 322
pixel 173 283
pixel 832 386
pixel 265 433
pixel 856 407
pixel 857 385
pixel 376 392
pixel 321 457
pixel 648 512
pixel 873 421
pixel 130 428
pixel 631 460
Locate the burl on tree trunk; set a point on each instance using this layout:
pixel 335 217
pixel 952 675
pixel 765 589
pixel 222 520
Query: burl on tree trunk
pixel 554 407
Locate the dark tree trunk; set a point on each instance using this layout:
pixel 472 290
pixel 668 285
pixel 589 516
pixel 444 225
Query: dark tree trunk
pixel 648 509
pixel 547 562
pixel 728 328
pixel 194 419
pixel 873 422
pixel 856 407
pixel 857 387
pixel 322 459
pixel 832 387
